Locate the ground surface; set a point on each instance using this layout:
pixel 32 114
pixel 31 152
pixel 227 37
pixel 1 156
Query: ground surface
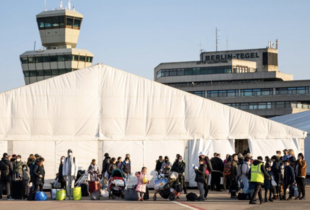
pixel 216 200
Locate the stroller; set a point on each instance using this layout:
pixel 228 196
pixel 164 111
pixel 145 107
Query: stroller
pixel 116 184
pixel 167 187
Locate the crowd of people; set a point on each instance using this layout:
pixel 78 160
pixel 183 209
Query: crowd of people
pixel 241 174
pixel 245 176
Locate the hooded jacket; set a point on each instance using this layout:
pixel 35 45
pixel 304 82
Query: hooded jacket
pixel 105 164
pixel 6 169
pixel 262 168
pixel 179 167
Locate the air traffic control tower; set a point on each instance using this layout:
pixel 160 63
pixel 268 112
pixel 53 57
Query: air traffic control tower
pixel 59 31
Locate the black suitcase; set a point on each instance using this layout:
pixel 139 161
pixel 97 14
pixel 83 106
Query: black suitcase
pixel 84 188
pixel 31 195
pixel 17 189
pixel 146 194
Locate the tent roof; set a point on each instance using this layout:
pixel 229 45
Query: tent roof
pixel 299 120
pixel 101 102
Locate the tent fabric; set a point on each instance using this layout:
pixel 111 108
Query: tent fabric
pixel 262 147
pixel 3 148
pixel 301 121
pixel 104 103
pixel 208 147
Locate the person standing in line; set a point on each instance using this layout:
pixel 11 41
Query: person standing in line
pixel 61 178
pixel 301 173
pixel 6 169
pixel 119 162
pixel 39 174
pixel 26 180
pixel 257 177
pixel 217 166
pixel 226 181
pixel 207 175
pixel 291 157
pixel 166 166
pixel 159 162
pixel 105 165
pixel 276 170
pixel 70 169
pixel 18 167
pixel 267 161
pixel 234 176
pixel 284 157
pixel 289 178
pixel 93 170
pixel 112 166
pixel 126 169
pixel 268 185
pixel 141 185
pixel 179 166
pixel 245 169
pixel 278 154
pixel 200 178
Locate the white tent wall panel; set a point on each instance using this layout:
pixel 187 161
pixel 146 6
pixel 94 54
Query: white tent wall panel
pixel 208 147
pixel 3 148
pixel 268 147
pixel 307 153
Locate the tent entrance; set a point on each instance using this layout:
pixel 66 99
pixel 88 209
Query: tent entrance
pixel 241 145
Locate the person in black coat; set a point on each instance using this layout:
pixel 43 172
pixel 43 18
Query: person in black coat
pixel 112 166
pixel 200 178
pixel 159 162
pixel 61 178
pixel 289 178
pixel 6 169
pixel 292 158
pixel 276 170
pixel 105 164
pixel 39 174
pixel 217 166
pixel 179 166
pixel 208 172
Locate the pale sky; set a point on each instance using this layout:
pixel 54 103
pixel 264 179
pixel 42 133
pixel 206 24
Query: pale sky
pixel 137 35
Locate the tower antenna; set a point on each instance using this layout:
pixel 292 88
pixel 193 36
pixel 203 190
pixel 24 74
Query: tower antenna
pixel 34 46
pixel 69 5
pixel 45 9
pixel 217 39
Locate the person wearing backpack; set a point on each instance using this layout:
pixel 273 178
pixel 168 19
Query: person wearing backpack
pixel 245 168
pixel 6 169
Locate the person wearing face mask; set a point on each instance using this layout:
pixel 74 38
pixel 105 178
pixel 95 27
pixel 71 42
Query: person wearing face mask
pixel 70 169
pixel 166 166
pixel 179 166
pixel 126 169
pixel 93 170
pixel 26 180
pixel 17 167
pixel 61 178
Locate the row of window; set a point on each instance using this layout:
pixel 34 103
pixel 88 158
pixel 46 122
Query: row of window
pixel 253 92
pixel 59 22
pixel 53 72
pixel 203 70
pixel 56 58
pixel 270 105
pixel 212 82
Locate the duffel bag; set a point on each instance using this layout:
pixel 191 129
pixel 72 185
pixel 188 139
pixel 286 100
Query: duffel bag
pixel 40 196
pixel 77 193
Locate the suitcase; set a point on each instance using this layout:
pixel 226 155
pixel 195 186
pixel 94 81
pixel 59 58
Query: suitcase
pixel 84 187
pixel 146 194
pixel 53 194
pixel 31 195
pixel 131 194
pixel 93 186
pixel 17 189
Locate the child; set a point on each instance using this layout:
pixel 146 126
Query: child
pixel 141 187
pixel 267 183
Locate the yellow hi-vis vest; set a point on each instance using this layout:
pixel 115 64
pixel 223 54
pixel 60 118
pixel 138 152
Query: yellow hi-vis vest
pixel 256 173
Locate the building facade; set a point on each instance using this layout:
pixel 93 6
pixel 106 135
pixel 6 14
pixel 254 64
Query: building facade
pixel 59 33
pixel 245 79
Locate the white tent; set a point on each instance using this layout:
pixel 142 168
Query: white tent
pixel 301 121
pixel 102 109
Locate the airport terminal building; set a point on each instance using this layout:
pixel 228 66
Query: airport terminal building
pixel 245 79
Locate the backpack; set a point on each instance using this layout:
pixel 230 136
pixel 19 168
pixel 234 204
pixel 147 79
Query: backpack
pixel 227 168
pixel 191 197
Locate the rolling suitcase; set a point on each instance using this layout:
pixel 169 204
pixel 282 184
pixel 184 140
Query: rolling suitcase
pixel 93 186
pixel 131 194
pixel 17 189
pixel 84 187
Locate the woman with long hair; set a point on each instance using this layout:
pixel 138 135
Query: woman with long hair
pixel 301 173
pixel 291 157
pixel 93 170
